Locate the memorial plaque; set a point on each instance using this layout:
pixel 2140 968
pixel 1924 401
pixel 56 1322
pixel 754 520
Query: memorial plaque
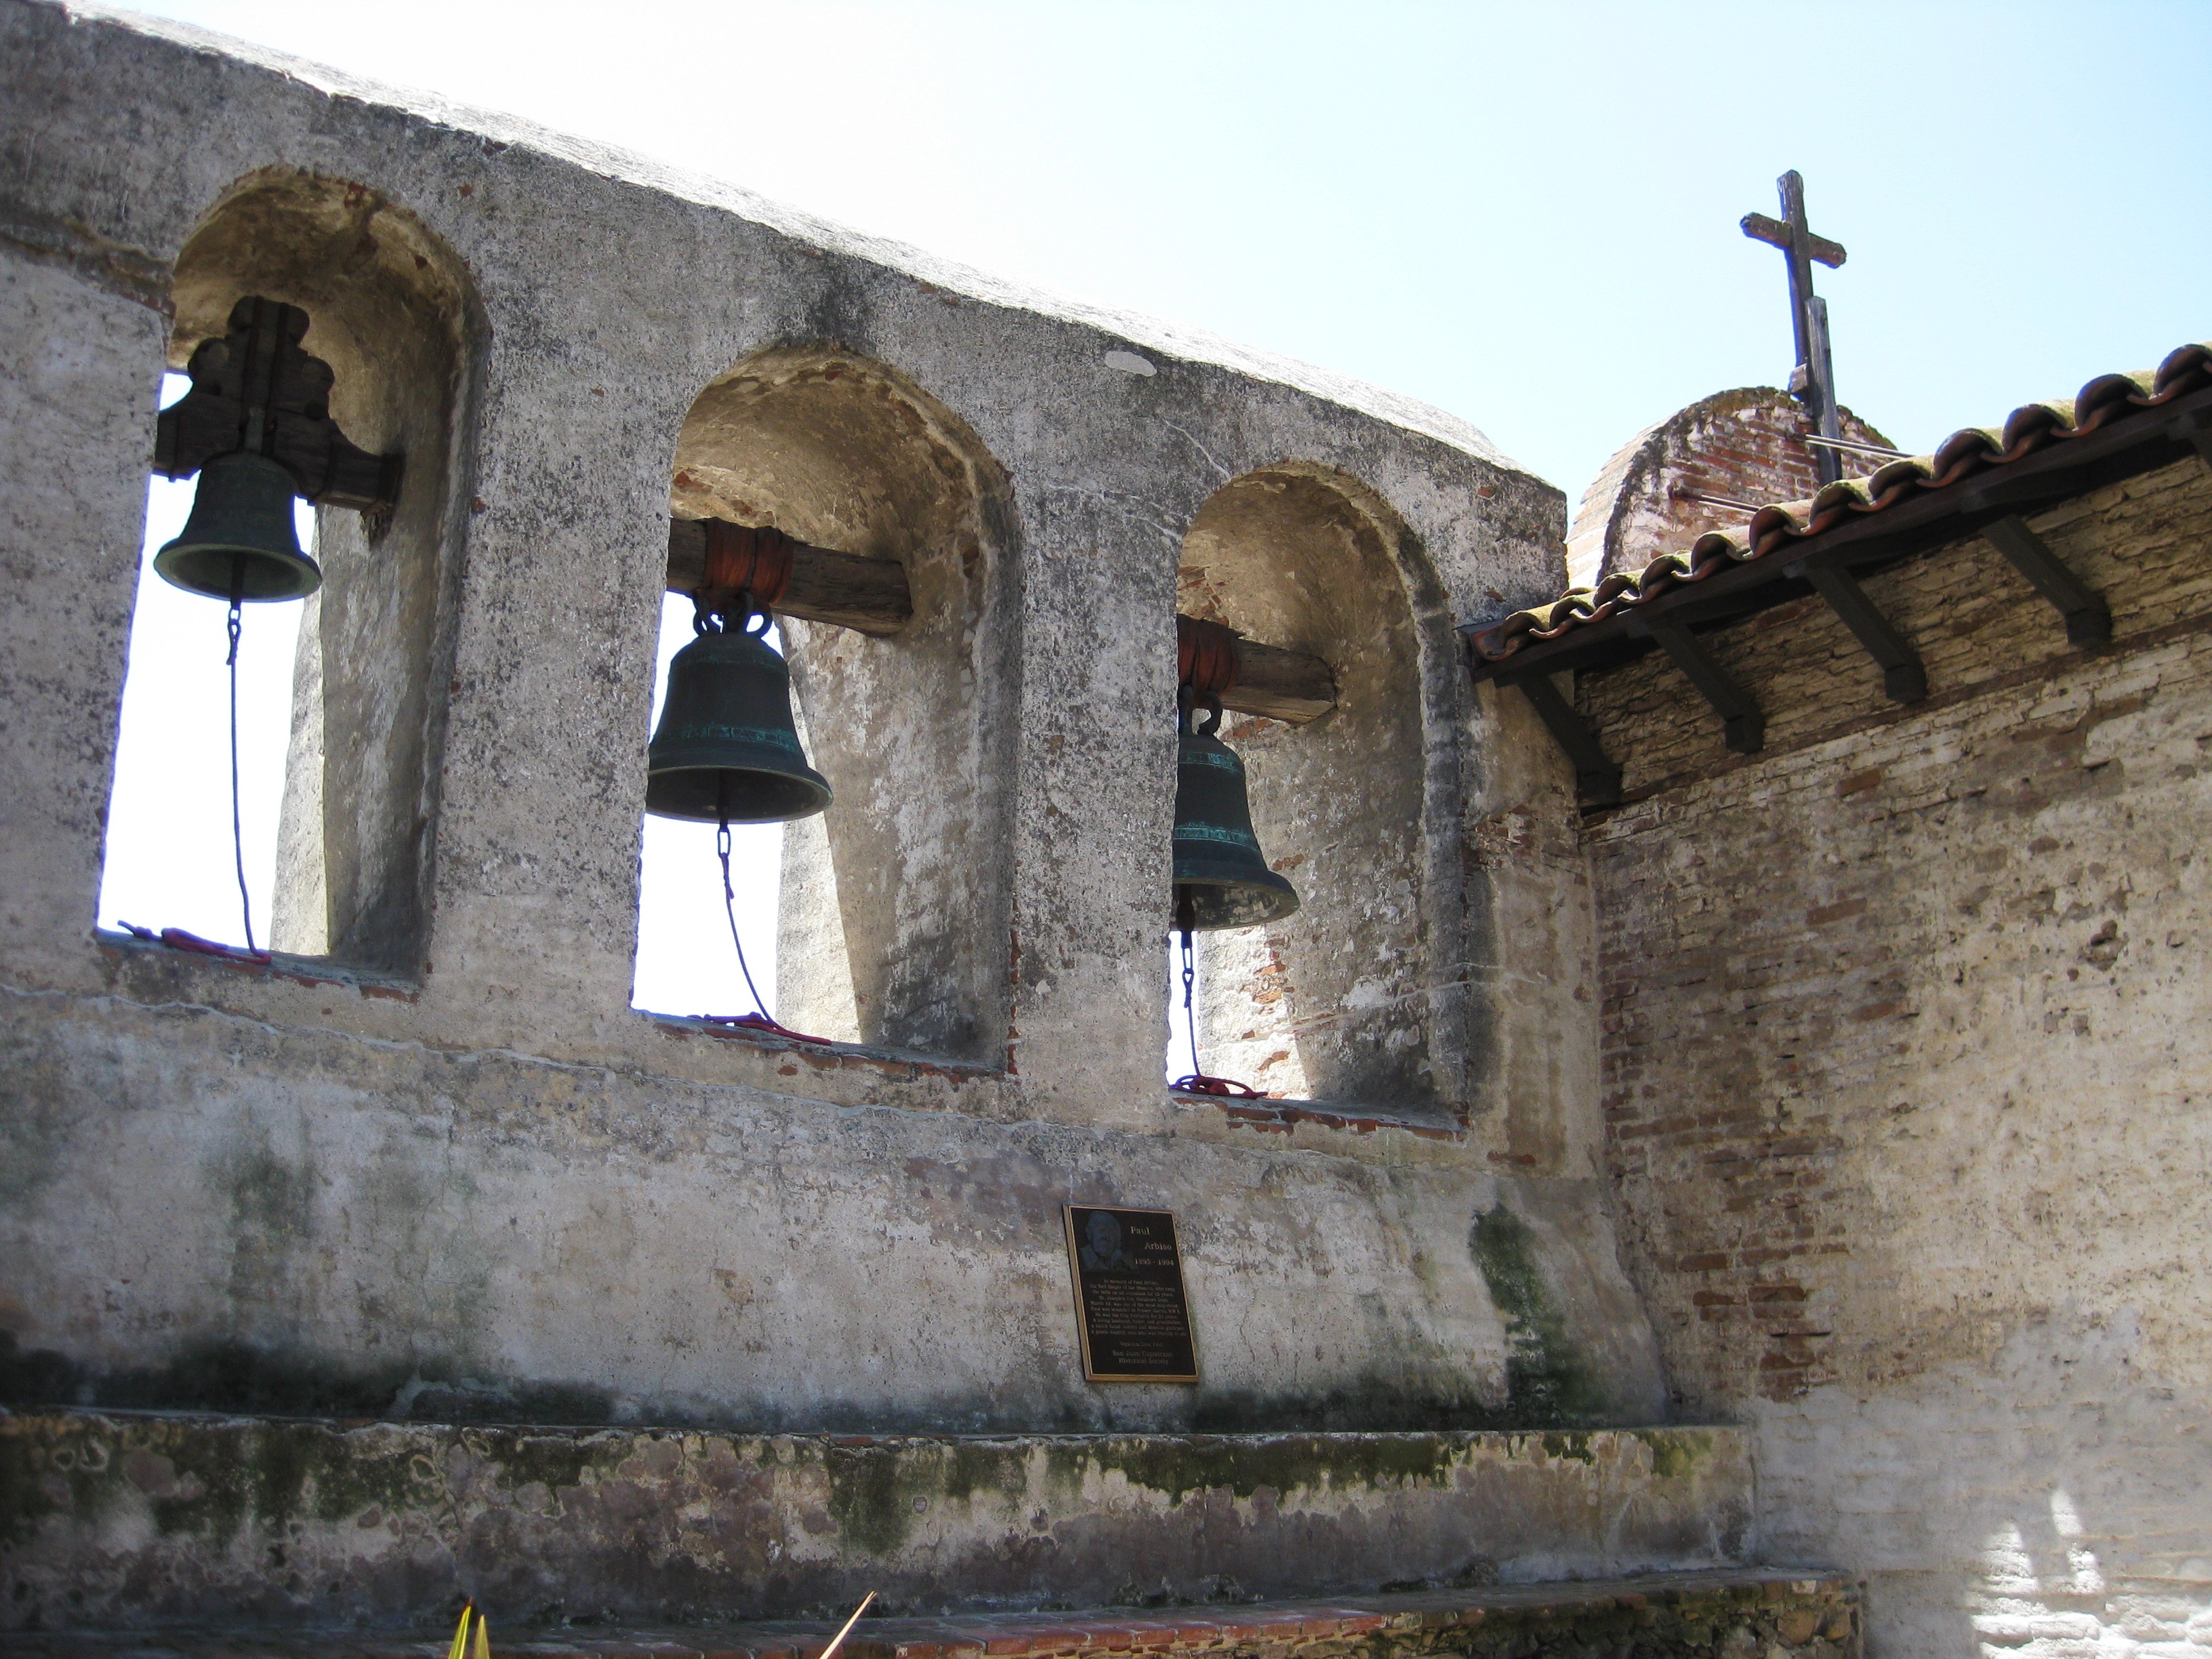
pixel 1130 1310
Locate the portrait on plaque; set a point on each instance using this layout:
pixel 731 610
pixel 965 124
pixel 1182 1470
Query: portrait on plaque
pixel 1131 1316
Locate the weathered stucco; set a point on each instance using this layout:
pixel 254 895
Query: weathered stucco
pixel 449 1173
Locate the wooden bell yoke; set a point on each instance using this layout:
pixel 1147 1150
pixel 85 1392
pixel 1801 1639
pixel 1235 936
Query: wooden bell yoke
pixel 870 596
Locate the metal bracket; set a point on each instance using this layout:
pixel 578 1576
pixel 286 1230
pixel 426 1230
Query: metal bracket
pixel 257 388
pixel 2088 621
pixel 1595 777
pixel 1903 677
pixel 1743 727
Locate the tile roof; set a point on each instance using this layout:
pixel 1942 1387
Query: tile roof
pixel 1970 452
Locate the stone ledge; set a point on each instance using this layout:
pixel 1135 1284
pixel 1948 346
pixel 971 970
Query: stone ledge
pixel 1807 1612
pixel 129 1519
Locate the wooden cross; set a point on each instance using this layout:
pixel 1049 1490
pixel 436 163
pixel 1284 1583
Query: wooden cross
pixel 1813 383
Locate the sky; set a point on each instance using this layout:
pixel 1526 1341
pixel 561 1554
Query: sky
pixel 1526 215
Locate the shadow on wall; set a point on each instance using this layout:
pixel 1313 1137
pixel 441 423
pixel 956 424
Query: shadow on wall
pixel 1333 1003
pixel 894 922
pixel 392 312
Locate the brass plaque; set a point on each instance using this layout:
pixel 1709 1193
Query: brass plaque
pixel 1130 1309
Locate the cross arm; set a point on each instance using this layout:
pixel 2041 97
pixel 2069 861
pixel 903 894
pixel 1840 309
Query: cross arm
pixel 1760 229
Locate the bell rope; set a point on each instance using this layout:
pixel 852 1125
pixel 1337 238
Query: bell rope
pixel 231 626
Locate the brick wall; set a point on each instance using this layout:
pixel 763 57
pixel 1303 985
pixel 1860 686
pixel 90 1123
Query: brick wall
pixel 1906 1076
pixel 1748 444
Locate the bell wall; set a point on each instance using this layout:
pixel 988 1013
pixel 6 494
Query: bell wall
pixel 434 1165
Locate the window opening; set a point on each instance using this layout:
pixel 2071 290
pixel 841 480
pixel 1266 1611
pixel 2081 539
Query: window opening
pixel 892 915
pixel 1221 883
pixel 1339 1001
pixel 685 961
pixel 726 747
pixel 170 862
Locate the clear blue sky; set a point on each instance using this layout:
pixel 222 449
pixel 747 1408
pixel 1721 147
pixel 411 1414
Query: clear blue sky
pixel 1526 214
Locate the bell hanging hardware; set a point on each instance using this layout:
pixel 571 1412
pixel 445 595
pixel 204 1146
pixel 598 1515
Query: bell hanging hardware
pixel 257 427
pixel 726 749
pixel 1221 876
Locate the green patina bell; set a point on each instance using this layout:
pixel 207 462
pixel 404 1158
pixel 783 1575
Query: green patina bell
pixel 1221 877
pixel 240 541
pixel 727 750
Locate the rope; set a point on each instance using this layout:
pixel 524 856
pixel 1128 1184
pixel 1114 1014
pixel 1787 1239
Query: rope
pixel 729 894
pixel 743 561
pixel 1198 1082
pixel 1190 1019
pixel 237 832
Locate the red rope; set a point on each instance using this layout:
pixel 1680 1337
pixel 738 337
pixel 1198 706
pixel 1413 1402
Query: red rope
pixel 762 1023
pixel 177 939
pixel 744 559
pixel 1199 1084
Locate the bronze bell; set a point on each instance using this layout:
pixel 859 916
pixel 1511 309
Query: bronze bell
pixel 1221 877
pixel 238 543
pixel 726 749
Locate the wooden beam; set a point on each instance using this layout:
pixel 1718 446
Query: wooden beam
pixel 1904 679
pixel 2088 621
pixel 2194 427
pixel 1283 685
pixel 1597 778
pixel 870 596
pixel 1743 728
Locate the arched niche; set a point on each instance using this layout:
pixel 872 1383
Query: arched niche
pixel 893 918
pixel 1336 1002
pixel 391 311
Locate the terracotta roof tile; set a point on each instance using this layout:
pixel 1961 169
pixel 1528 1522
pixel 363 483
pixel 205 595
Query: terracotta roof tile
pixel 2029 429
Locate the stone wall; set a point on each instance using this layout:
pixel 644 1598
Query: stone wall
pixel 451 1172
pixel 109 1521
pixel 1905 1083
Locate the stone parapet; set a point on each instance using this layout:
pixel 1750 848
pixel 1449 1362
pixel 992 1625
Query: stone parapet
pixel 145 1519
